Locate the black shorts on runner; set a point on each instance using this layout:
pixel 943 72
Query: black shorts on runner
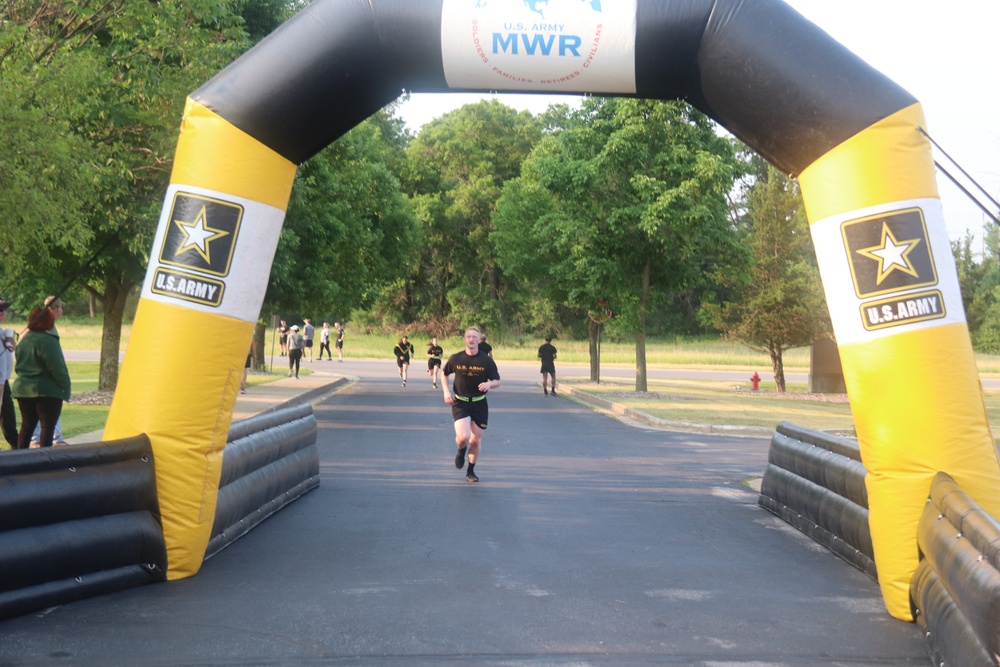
pixel 309 342
pixel 431 363
pixel 402 362
pixel 340 344
pixel 479 411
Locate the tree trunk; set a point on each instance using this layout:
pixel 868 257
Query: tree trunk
pixel 443 294
pixel 115 295
pixel 93 304
pixel 778 368
pixel 259 361
pixel 593 332
pixel 640 332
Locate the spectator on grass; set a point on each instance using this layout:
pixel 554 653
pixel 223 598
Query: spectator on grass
pixel 57 435
pixel 283 338
pixel 43 381
pixel 307 333
pixel 324 341
pixel 296 343
pixel 8 416
pixel 340 341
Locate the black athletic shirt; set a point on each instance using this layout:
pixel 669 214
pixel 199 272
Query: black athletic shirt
pixel 470 372
pixel 403 350
pixel 435 351
pixel 547 353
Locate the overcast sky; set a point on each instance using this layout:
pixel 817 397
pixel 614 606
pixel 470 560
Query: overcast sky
pixel 943 52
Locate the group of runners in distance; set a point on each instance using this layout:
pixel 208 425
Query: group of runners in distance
pixel 475 374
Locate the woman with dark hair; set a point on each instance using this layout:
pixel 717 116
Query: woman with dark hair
pixel 42 382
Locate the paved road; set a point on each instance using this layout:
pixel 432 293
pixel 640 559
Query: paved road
pixel 587 542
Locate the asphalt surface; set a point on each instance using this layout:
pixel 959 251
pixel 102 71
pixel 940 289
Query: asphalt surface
pixel 588 541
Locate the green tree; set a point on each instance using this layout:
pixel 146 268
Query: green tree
pixel 778 304
pixel 979 280
pixel 625 202
pixel 456 169
pixel 349 230
pixel 113 78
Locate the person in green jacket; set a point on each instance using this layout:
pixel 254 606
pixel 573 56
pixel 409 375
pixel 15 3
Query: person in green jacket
pixel 42 382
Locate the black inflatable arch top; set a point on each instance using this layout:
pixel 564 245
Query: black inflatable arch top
pixel 776 81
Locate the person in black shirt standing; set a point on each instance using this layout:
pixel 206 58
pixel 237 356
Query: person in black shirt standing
pixel 485 347
pixel 434 353
pixel 402 352
pixel 547 353
pixel 475 374
pixel 340 341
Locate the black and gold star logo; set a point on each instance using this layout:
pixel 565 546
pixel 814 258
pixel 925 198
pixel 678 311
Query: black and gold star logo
pixel 889 252
pixel 201 233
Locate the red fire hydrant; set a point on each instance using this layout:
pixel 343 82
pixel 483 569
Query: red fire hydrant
pixel 755 381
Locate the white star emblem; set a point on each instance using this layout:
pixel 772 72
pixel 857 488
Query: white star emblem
pixel 198 235
pixel 891 255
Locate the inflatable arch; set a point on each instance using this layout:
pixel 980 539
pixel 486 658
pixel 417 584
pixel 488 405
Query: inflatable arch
pixel 773 79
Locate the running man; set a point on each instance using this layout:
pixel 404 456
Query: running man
pixel 475 374
pixel 402 352
pixel 547 353
pixel 434 353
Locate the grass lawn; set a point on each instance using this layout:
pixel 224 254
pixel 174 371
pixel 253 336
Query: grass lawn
pixel 718 402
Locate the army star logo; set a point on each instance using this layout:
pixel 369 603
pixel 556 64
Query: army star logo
pixel 891 255
pixel 202 234
pixel 198 235
pixel 889 252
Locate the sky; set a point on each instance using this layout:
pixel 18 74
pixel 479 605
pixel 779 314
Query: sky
pixel 942 52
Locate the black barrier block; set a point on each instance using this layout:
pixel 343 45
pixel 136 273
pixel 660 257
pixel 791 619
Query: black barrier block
pixel 834 443
pixel 69 493
pixel 270 460
pixel 842 475
pixel 948 638
pixel 77 521
pixel 978 527
pixel 267 420
pixel 242 497
pixel 259 449
pixel 816 482
pixel 51 593
pixel 969 577
pixel 819 511
pixel 33 556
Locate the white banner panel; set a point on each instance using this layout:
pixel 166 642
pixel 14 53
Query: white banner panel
pixel 213 252
pixel 888 269
pixel 540 45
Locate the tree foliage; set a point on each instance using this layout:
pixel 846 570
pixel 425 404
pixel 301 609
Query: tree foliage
pixel 349 230
pixel 778 303
pixel 455 170
pixel 626 203
pixel 94 94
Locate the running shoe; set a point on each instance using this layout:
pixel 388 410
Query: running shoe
pixel 460 459
pixel 472 477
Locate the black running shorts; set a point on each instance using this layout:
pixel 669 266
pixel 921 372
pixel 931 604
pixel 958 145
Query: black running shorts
pixel 479 411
